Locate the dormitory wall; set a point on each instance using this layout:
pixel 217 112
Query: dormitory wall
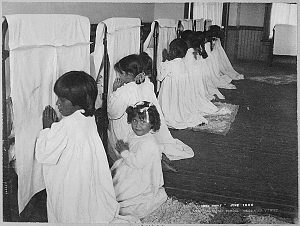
pixel 169 10
pixel 245 32
pixel 95 11
pixel 251 14
pixel 99 11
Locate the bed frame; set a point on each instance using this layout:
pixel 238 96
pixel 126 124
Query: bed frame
pixel 101 113
pixel 154 61
pixel 284 54
pixel 6 141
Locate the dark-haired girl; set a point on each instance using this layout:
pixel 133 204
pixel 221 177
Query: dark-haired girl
pixel 137 175
pixel 216 36
pixel 201 72
pixel 177 94
pixel 213 61
pixel 130 87
pixel 76 173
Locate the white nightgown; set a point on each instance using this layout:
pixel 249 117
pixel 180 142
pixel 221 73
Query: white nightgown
pixel 224 63
pixel 128 95
pixel 76 172
pixel 177 95
pixel 203 86
pixel 200 73
pixel 138 177
pixel 218 79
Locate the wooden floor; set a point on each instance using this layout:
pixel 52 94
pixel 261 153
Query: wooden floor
pixel 255 163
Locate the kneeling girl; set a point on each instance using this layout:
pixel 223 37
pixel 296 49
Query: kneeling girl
pixel 137 176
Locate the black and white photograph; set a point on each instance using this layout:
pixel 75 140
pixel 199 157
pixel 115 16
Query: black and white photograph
pixel 150 112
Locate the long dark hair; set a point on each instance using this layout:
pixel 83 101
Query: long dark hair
pixel 78 87
pixel 130 64
pixel 178 48
pixel 146 63
pixel 200 37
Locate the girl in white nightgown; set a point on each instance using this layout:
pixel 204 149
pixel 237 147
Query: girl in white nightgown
pixel 183 93
pixel 137 175
pixel 199 74
pixel 199 69
pixel 127 92
pixel 77 177
pixel 215 34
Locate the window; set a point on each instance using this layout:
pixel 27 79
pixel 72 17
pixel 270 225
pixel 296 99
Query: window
pixel 208 10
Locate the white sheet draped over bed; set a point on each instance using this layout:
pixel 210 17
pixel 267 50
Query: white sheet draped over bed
pixel 285 40
pixel 123 38
pixel 167 33
pixel 42 47
pixel 199 24
pixel 187 24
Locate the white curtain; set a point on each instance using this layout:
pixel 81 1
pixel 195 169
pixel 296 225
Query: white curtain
pixel 209 10
pixel 283 13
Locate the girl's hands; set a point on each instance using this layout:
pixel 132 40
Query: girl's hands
pixel 49 117
pixel 117 83
pixel 165 55
pixel 121 146
pixel 140 78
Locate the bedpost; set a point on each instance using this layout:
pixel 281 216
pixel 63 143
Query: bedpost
pixel 271 55
pixel 6 167
pixel 179 29
pixel 105 89
pixel 141 38
pixel 194 25
pixel 155 47
pixel 101 113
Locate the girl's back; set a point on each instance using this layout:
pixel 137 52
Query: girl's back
pixel 78 181
pixel 76 173
pixel 172 70
pixel 177 95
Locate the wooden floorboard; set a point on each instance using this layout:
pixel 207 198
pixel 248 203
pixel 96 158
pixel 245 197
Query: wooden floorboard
pixel 228 182
pixel 228 188
pixel 257 161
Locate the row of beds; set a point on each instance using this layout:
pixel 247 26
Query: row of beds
pixel 149 32
pixel 153 38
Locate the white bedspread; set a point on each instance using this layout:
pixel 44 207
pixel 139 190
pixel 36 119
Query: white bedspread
pixel 285 40
pixel 42 47
pixel 167 33
pixel 199 24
